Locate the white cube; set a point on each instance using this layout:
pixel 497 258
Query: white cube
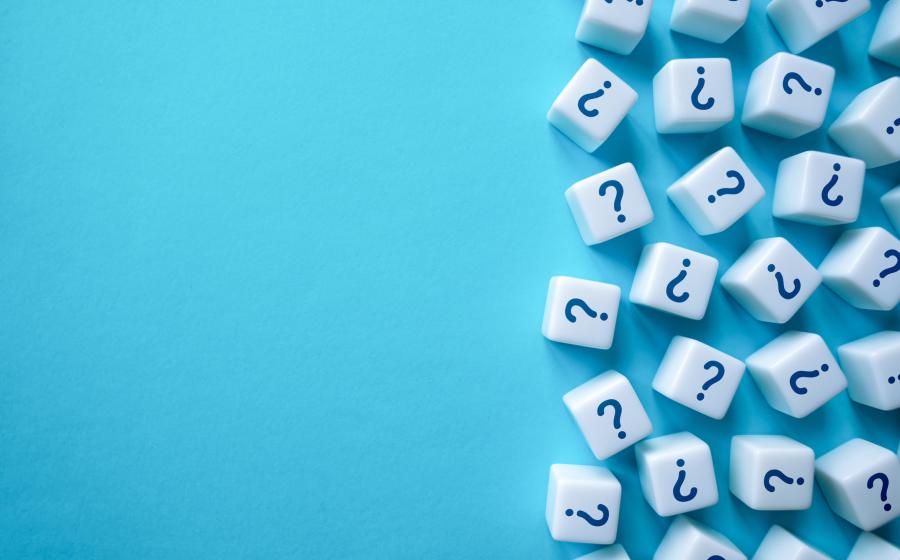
pixel 891 203
pixel 693 95
pixel 860 483
pixel 609 204
pixel 819 188
pixel 615 552
pixel 710 20
pixel 717 192
pixel 780 544
pixel 674 279
pixel 869 128
pixel 591 105
pixel 788 95
pixel 698 376
pixel 609 413
pixel 872 366
pixel 772 473
pixel 581 312
pixel 771 280
pixel 796 373
pixel 687 539
pixel 583 504
pixel 803 24
pixel 677 473
pixel 615 26
pixel 863 267
pixel 885 43
pixel 870 547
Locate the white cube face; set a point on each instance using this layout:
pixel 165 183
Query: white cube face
pixel 581 312
pixel 609 204
pixel 591 105
pixel 860 482
pixel 869 547
pixel 677 473
pixel 583 504
pixel 885 43
pixel 863 267
pixel 803 24
pixel 687 539
pixel 869 128
pixel 871 366
pixel 693 95
pixel 771 280
pixel 779 544
pixel 674 279
pixel 717 192
pixel 615 552
pixel 772 472
pixel 788 95
pixel 891 203
pixel 609 413
pixel 709 19
pixel 615 26
pixel 796 373
pixel 699 376
pixel 819 188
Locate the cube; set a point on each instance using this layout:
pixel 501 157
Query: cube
pixel 891 203
pixel 591 105
pixel 674 279
pixel 710 20
pixel 780 544
pixel 869 128
pixel 788 95
pixel 698 376
pixel 885 43
pixel 609 413
pixel 869 547
pixel 771 280
pixel 581 312
pixel 796 373
pixel 860 483
pixel 687 539
pixel 873 373
pixel 863 267
pixel 583 504
pixel 693 95
pixel 717 192
pixel 616 26
pixel 773 473
pixel 803 24
pixel 819 188
pixel 609 204
pixel 677 473
pixel 615 552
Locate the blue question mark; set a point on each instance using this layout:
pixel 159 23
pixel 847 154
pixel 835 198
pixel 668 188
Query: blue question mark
pixel 695 95
pixel 820 3
pixel 720 373
pixel 779 279
pixel 730 190
pixel 617 201
pixel 670 287
pixel 604 515
pixel 786 83
pixel 589 96
pixel 617 414
pixel 826 190
pixel 775 473
pixel 676 490
pixel 884 487
pixel 798 375
pixel 891 269
pixel 890 129
pixel 575 302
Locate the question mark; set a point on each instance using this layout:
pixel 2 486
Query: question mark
pixel 826 190
pixel 617 201
pixel 798 375
pixel 784 478
pixel 670 287
pixel 884 487
pixel 716 556
pixel 786 82
pixel 589 96
pixel 891 269
pixel 575 302
pixel 695 95
pixel 820 3
pixel 730 190
pixel 676 490
pixel 638 2
pixel 604 515
pixel 617 414
pixel 779 279
pixel 890 129
pixel 720 373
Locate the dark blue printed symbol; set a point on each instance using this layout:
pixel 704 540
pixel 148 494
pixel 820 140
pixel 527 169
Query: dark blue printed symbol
pixel 617 201
pixel 786 84
pixel 676 490
pixel 604 515
pixel 617 414
pixel 892 379
pixel 820 3
pixel 890 129
pixel 775 473
pixel 731 173
pixel 720 373
pixel 798 375
pixel 889 270
pixel 779 279
pixel 695 95
pixel 884 487
pixel 589 96
pixel 670 287
pixel 716 556
pixel 638 2
pixel 826 190
pixel 575 302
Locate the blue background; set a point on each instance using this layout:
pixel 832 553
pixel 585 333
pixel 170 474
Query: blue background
pixel 273 275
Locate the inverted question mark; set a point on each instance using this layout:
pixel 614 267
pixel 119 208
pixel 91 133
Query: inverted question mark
pixel 604 515
pixel 576 302
pixel 884 487
pixel 891 269
pixel 826 190
pixel 730 190
pixel 589 96
pixel 779 280
pixel 890 129
pixel 676 490
pixel 793 76
pixel 695 95
pixel 775 473
pixel 720 373
pixel 798 375
pixel 617 201
pixel 670 287
pixel 617 414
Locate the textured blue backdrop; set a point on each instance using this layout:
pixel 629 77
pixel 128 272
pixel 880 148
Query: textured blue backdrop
pixel 273 273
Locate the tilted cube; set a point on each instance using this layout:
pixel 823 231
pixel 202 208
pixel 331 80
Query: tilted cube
pixel 615 552
pixel 803 24
pixel 581 312
pixel 780 544
pixel 693 95
pixel 871 547
pixel 772 472
pixel 674 279
pixel 710 20
pixel 583 504
pixel 885 44
pixel 863 267
pixel 677 473
pixel 615 26
pixel 609 204
pixel 869 128
pixel 687 539
pixel 819 188
pixel 872 366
